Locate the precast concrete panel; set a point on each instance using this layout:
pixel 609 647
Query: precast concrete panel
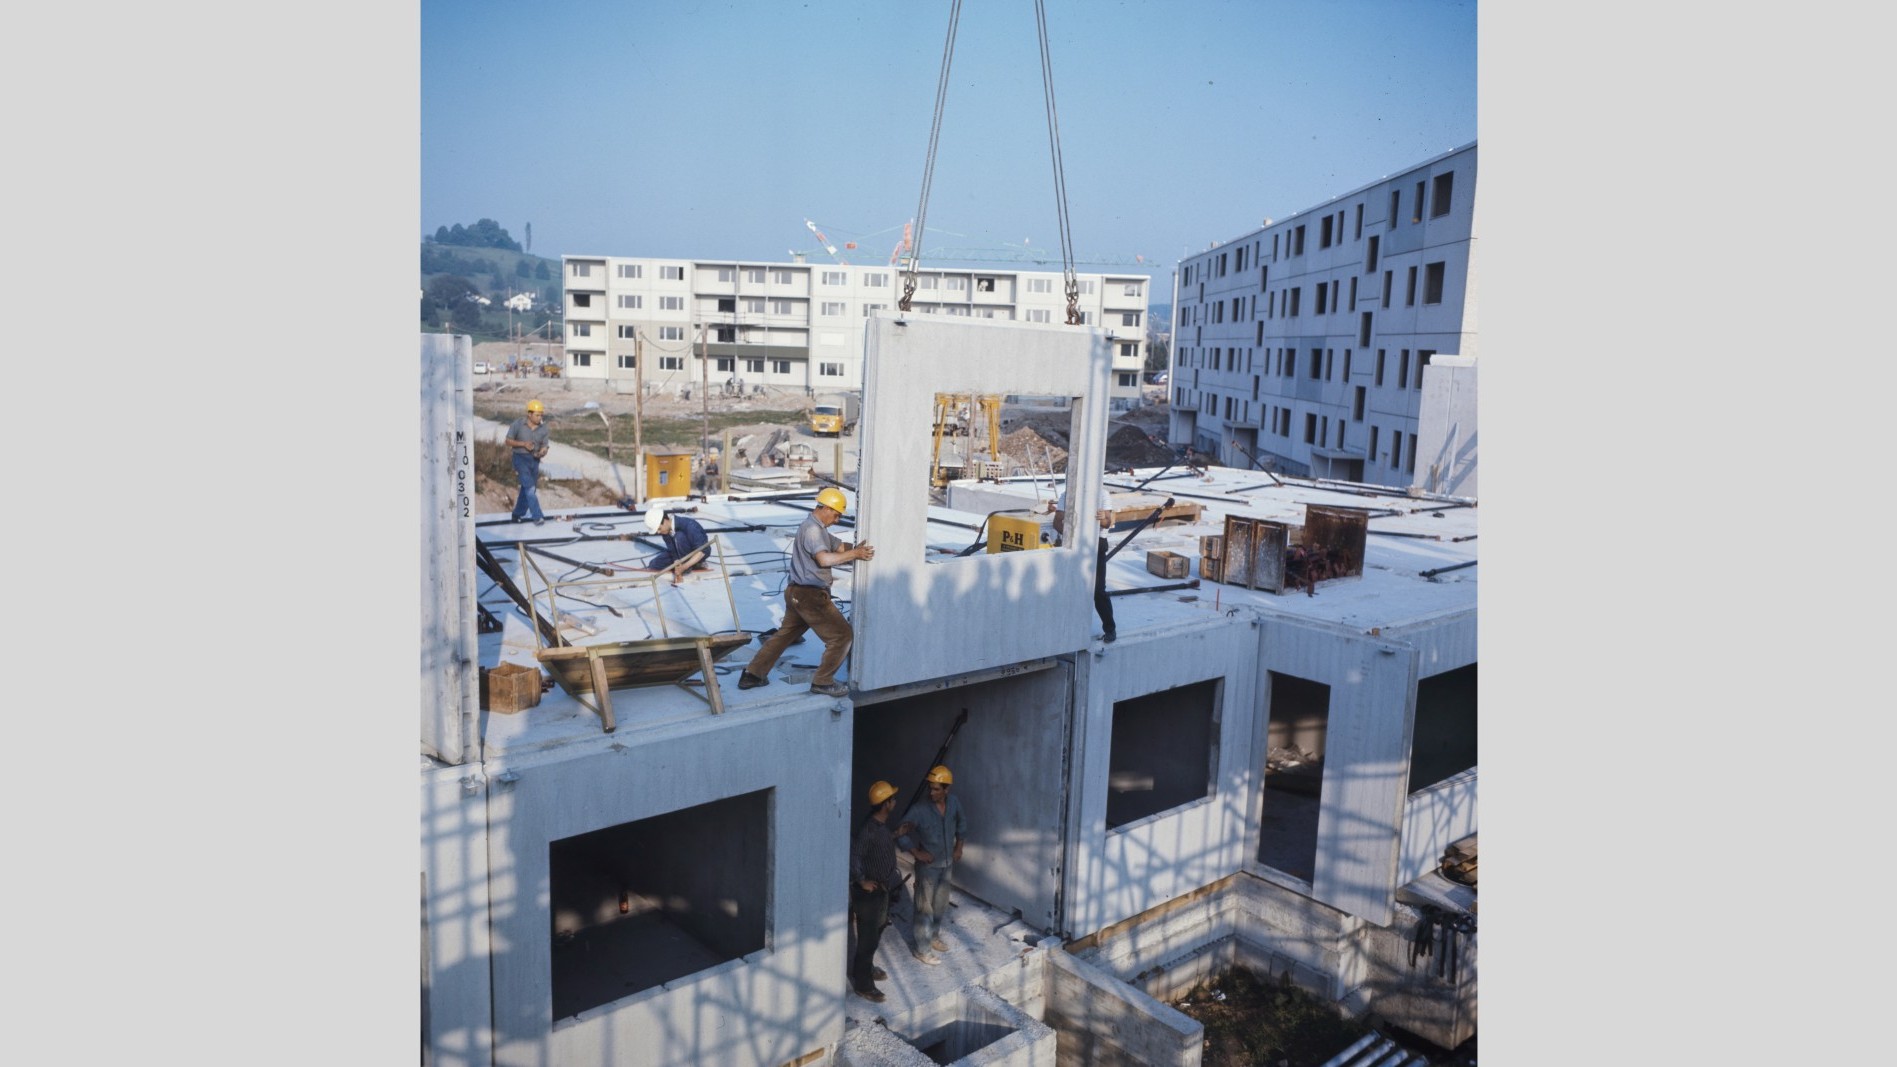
pixel 449 649
pixel 1366 756
pixel 1124 871
pixel 758 1010
pixel 917 620
pixel 1446 427
pixel 456 1027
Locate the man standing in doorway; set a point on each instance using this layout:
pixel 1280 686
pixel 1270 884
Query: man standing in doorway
pixel 528 438
pixel 935 841
pixel 875 884
pixel 807 603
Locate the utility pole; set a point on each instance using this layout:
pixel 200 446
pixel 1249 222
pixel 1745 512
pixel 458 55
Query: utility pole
pixel 704 396
pixel 638 416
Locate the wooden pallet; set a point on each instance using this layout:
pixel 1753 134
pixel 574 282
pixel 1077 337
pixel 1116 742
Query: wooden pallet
pixel 1130 509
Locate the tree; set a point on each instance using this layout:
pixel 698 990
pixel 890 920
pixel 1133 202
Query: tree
pixel 449 292
pixel 530 238
pixel 485 233
pixel 522 270
pixel 541 274
pixel 1158 351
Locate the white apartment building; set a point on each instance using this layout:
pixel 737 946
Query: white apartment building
pixel 799 325
pixel 1319 343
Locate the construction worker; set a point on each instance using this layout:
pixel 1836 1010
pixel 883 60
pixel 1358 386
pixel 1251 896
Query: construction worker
pixel 685 542
pixel 807 603
pixel 1102 604
pixel 528 438
pixel 936 827
pixel 875 885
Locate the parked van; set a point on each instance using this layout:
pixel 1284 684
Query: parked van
pixel 835 414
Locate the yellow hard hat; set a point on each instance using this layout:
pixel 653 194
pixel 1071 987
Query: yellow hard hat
pixel 834 500
pixel 880 792
pixel 941 774
pixel 535 406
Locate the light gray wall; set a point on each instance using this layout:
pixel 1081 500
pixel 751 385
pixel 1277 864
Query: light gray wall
pixel 1446 427
pixel 915 620
pixel 758 1011
pixel 456 941
pixel 1366 756
pixel 449 650
pixel 1120 873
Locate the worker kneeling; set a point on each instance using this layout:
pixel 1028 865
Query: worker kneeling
pixel 807 602
pixel 685 542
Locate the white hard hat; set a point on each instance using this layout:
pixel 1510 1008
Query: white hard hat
pixel 655 517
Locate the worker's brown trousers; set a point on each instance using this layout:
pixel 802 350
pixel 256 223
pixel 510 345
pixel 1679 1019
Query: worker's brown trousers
pixel 808 608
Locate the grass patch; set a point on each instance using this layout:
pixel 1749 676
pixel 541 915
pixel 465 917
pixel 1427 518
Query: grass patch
pixel 1266 1021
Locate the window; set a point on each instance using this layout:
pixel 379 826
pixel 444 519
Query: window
pixel 671 303
pixel 1396 450
pixel 1439 195
pixel 780 277
pixel 672 274
pixel 1353 292
pixel 1424 356
pixel 1396 206
pixel 835 307
pixel 830 370
pixel 1129 318
pixel 1358 235
pixel 626 362
pixel 1126 379
pixel 1310 427
pixel 581 359
pixel 724 274
pixel 1403 370
pixel 1370 256
pixel 582 300
pixel 1356 404
pixel 1133 289
pixel 1363 329
pixel 867 308
pixel 629 270
pixel 780 366
pixel 1130 350
pixel 580 270
pixel 1040 285
pixel 1317 363
pixel 877 280
pixel 955 285
pixel 754 275
pixel 1410 467
pixel 1086 284
pixel 1346 364
pixel 627 333
pixel 781 307
pixel 1321 288
pixel 1086 318
pixel 1330 360
pixel 1296 299
pixel 752 305
pixel 1297 241
pixel 1409 296
pixel 727 304
pixel 1416 203
pixel 724 334
pixel 957 310
pixel 1380 354
pixel 1387 276
pixel 630 301
pixel 1433 282
pixel 1324 233
pixel 927 281
pixel 1040 315
pixel 835 277
pixel 671 333
pixel 1373 443
pixel 580 329
pixel 984 285
pixel 725 364
pixel 671 362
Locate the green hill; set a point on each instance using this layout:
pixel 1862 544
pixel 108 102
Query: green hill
pixel 493 273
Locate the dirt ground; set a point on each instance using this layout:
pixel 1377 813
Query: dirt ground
pixel 1032 439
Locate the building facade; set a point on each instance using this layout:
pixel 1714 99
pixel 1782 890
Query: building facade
pixel 799 325
pixel 1304 345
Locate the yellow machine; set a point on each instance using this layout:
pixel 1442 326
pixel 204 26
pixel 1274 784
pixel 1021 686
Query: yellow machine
pixel 954 414
pixel 1018 533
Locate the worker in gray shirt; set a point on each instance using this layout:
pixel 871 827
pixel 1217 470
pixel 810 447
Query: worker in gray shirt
pixel 807 603
pixel 935 840
pixel 528 438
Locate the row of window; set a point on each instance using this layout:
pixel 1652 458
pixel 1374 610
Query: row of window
pixel 872 279
pixel 1322 362
pixel 1318 428
pixel 723 364
pixel 1432 197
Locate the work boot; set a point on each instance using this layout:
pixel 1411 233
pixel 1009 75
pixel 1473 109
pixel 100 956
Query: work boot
pixel 830 689
pixel 938 944
pixel 872 994
pixel 879 974
pixel 747 680
pixel 930 958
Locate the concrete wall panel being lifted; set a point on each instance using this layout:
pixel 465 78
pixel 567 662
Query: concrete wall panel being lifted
pixel 916 619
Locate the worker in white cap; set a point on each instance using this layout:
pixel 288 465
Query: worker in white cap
pixel 685 542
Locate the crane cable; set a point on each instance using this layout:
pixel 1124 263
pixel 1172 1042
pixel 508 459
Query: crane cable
pixel 1060 174
pixel 1070 281
pixel 928 167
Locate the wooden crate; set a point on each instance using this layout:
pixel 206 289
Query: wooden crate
pixel 509 688
pixel 1212 546
pixel 1168 564
pixel 1210 569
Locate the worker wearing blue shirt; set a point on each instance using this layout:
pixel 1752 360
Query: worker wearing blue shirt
pixel 935 841
pixel 685 542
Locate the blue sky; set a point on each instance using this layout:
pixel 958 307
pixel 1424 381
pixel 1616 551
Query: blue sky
pixel 714 128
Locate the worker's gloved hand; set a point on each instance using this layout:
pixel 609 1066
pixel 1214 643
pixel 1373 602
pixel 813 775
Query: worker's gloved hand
pixel 923 856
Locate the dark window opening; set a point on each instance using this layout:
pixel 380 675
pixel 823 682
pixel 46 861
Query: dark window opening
pixel 1439 195
pixel 1363 328
pixel 1164 750
pixel 1444 742
pixel 1433 282
pixel 1370 257
pixel 1294 774
pixel 727 303
pixel 1409 297
pixel 642 903
pixel 582 300
pixel 1416 204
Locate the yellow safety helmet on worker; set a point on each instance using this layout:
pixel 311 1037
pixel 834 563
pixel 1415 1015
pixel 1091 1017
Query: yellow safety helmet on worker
pixel 940 775
pixel 879 792
pixel 834 500
pixel 535 407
